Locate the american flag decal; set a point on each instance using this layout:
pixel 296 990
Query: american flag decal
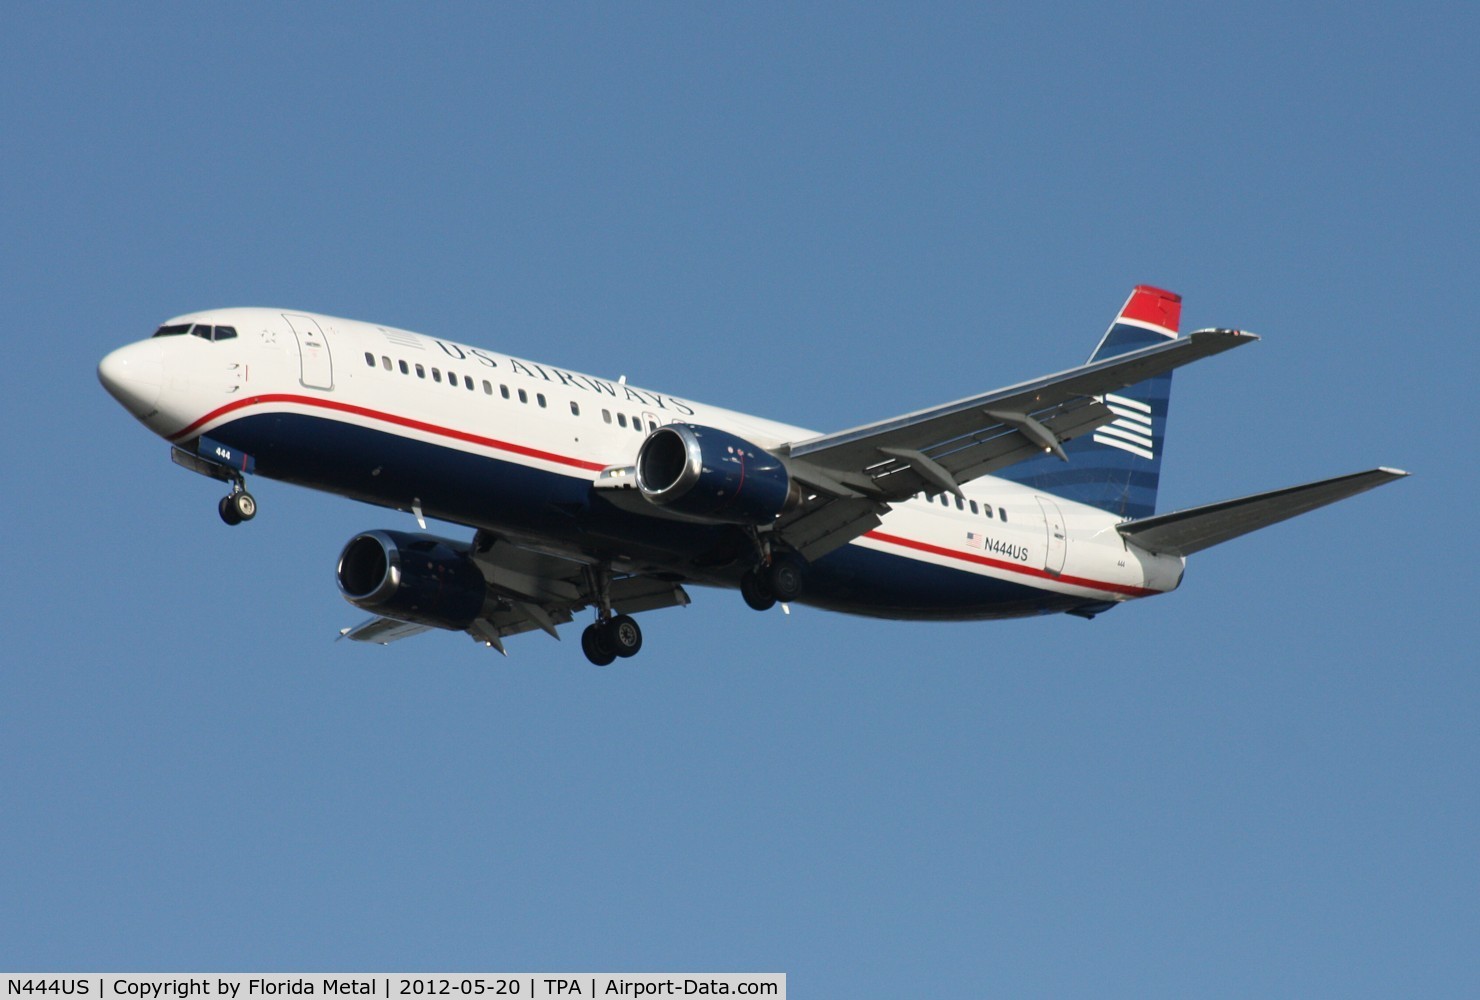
pixel 1131 429
pixel 974 539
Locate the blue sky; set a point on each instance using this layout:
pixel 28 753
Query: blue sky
pixel 1264 784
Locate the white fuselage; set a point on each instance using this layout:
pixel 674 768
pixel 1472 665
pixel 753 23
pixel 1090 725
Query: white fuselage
pixel 470 435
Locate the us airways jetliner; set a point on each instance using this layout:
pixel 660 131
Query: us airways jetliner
pixel 587 493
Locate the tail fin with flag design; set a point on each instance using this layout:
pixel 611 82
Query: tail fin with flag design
pixel 1117 466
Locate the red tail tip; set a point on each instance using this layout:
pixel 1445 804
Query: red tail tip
pixel 1155 306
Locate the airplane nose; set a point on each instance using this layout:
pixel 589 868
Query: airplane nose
pixel 134 375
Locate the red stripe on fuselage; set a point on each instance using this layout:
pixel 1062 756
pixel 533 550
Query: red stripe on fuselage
pixel 1042 574
pixel 389 418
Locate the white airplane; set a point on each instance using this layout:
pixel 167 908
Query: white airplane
pixel 587 493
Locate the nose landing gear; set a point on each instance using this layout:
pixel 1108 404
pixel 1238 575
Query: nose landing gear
pixel 228 465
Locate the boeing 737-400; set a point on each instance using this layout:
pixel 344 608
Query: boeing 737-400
pixel 584 493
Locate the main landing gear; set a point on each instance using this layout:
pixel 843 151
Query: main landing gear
pixel 611 635
pixel 783 579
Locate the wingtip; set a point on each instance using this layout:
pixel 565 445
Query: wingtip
pixel 1216 339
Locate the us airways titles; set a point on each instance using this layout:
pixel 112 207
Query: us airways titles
pixel 585 383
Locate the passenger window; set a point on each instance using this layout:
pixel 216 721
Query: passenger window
pixel 225 333
pixel 987 508
pixel 637 425
pixel 436 375
pixel 621 420
pixel 503 391
pixel 1002 511
pixel 523 396
pixel 487 388
pixel 575 408
pixel 404 369
pixel 540 396
pixel 960 504
pixel 369 358
pixel 468 382
pixel 421 372
pixel 973 506
pixel 606 415
pixel 385 362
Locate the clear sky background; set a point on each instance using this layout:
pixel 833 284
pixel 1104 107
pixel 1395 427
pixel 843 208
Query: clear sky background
pixel 1264 784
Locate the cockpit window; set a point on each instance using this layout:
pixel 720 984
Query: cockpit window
pixel 204 331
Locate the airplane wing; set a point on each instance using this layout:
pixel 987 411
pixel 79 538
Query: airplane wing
pixel 1184 532
pixel 856 473
pixel 530 590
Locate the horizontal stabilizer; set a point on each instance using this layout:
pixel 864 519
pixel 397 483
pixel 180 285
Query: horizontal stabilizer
pixel 1184 532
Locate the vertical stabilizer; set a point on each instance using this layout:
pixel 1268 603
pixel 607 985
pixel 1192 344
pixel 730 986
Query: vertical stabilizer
pixel 1117 467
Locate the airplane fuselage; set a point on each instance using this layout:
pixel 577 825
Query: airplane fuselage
pixel 476 437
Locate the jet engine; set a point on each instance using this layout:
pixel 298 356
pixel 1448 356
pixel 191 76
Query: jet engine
pixel 411 577
pixel 712 475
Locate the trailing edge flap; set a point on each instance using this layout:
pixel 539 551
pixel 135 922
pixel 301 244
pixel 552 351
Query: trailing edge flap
pixel 1184 532
pixel 382 631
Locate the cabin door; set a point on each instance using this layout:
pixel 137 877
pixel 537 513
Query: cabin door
pixel 1058 538
pixel 316 366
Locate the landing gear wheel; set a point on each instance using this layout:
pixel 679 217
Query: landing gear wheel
pixel 236 507
pixel 244 504
pixel 786 577
pixel 757 592
pixel 623 635
pixel 596 647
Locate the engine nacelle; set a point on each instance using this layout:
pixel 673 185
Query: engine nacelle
pixel 414 578
pixel 712 475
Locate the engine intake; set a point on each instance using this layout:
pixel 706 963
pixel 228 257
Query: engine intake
pixel 712 475
pixel 411 577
